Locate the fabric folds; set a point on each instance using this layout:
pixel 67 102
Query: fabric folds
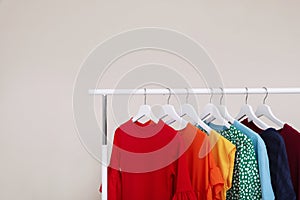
pixel 185 195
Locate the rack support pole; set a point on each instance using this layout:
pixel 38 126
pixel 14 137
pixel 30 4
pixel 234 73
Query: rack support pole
pixel 104 147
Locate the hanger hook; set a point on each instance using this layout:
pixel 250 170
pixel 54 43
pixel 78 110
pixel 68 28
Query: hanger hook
pixel 247 94
pixel 211 95
pixel 145 96
pixel 267 93
pixel 169 95
pixel 187 95
pixel 221 98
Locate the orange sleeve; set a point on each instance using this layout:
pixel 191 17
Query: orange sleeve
pixel 214 182
pixel 215 176
pixel 223 152
pixel 217 182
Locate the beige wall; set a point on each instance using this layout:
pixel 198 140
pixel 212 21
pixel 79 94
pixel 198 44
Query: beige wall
pixel 43 42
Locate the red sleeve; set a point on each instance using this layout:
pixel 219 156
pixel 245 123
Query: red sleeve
pixel 114 184
pixel 114 173
pixel 183 186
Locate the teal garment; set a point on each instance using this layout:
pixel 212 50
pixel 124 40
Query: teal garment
pixel 262 158
pixel 245 180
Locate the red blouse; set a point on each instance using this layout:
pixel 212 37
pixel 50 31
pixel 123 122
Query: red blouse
pixel 148 163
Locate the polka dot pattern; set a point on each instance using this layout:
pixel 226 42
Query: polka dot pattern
pixel 245 180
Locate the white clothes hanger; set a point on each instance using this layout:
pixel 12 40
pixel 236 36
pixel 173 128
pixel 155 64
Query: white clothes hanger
pixel 223 110
pixel 169 111
pixel 144 111
pixel 188 109
pixel 212 112
pixel 247 111
pixel 265 110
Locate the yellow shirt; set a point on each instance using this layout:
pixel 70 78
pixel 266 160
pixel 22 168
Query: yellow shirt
pixel 223 152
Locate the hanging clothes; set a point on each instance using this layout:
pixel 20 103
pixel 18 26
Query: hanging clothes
pixel 152 161
pixel 279 168
pixel 262 159
pixel 245 183
pixel 223 152
pixel 148 162
pixel 206 177
pixel 292 144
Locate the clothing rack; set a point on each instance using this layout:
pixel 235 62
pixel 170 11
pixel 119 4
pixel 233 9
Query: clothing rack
pixel 162 91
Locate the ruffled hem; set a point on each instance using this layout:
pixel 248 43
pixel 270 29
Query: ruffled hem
pixel 188 195
pixel 217 191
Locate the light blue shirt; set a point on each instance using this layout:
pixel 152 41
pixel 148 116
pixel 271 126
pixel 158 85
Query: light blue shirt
pixel 262 159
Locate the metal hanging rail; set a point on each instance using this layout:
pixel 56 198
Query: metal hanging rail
pixel 195 91
pixel 161 91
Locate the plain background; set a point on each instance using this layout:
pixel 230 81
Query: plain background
pixel 43 43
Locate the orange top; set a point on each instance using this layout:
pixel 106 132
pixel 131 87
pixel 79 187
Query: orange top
pixel 223 152
pixel 206 177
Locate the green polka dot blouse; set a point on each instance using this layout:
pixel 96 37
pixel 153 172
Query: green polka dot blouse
pixel 245 180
